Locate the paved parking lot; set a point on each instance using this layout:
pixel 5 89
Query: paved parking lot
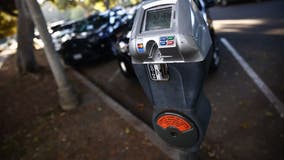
pixel 244 123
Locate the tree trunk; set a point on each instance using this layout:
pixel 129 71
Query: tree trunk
pixel 67 96
pixel 106 2
pixel 25 51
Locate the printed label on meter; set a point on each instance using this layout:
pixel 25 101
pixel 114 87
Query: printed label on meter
pixel 158 72
pixel 174 121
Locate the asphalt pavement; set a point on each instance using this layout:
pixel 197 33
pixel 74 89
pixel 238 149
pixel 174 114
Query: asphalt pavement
pixel 256 31
pixel 244 123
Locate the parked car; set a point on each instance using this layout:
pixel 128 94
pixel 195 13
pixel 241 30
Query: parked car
pixel 124 60
pixel 92 38
pixel 227 2
pixel 61 33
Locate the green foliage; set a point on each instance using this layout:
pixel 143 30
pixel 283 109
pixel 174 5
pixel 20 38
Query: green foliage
pixel 77 13
pixel 8 19
pixel 64 4
pixel 8 24
pixel 92 4
pixel 8 6
pixel 8 10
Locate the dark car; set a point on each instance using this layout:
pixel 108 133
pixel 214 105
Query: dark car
pixel 227 2
pixel 124 60
pixel 62 32
pixel 92 38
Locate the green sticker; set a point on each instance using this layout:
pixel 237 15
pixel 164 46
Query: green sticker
pixel 171 37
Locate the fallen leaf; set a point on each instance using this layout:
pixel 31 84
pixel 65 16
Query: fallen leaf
pixel 28 135
pixel 140 106
pixel 211 154
pixel 35 139
pixel 63 139
pixel 52 116
pixel 245 125
pixel 62 114
pixel 127 130
pixel 99 109
pixel 269 114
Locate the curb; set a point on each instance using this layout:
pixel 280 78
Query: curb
pixel 129 117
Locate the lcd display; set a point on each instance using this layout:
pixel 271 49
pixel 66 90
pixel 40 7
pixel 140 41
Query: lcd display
pixel 158 19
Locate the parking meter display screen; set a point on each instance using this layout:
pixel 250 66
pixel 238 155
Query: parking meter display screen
pixel 158 19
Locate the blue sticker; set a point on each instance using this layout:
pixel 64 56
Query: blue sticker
pixel 163 38
pixel 140 50
pixel 163 43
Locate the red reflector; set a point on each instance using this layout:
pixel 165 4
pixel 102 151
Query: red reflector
pixel 140 45
pixel 171 42
pixel 174 121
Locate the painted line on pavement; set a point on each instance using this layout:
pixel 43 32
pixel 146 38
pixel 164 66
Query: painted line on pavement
pixel 279 106
pixel 114 75
pixel 130 118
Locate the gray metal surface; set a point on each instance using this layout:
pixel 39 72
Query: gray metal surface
pixel 186 39
pixel 171 57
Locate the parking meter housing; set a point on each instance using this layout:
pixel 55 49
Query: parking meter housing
pixel 181 34
pixel 170 50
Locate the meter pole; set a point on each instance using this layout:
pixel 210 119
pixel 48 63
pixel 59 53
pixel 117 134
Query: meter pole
pixel 188 155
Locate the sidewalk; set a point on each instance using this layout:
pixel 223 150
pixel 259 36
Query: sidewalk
pixel 33 126
pixel 5 54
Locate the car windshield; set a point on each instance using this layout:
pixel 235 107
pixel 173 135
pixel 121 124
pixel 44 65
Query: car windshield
pixel 91 23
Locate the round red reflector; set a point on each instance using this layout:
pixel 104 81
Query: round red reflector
pixel 175 121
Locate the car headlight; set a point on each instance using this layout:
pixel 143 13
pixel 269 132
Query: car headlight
pixel 128 35
pixel 82 35
pixel 65 38
pixel 123 47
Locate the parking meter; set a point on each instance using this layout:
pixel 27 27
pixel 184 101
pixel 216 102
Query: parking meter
pixel 170 49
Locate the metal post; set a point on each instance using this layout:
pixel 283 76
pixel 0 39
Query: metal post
pixel 67 96
pixel 188 155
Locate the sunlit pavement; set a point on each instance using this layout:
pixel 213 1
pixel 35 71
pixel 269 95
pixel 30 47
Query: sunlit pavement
pixel 9 48
pixel 5 53
pixel 256 31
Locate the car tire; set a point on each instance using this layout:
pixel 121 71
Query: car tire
pixel 126 69
pixel 216 60
pixel 224 2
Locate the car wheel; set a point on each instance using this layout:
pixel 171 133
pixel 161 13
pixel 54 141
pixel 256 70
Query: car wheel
pixel 126 69
pixel 123 66
pixel 224 2
pixel 215 62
